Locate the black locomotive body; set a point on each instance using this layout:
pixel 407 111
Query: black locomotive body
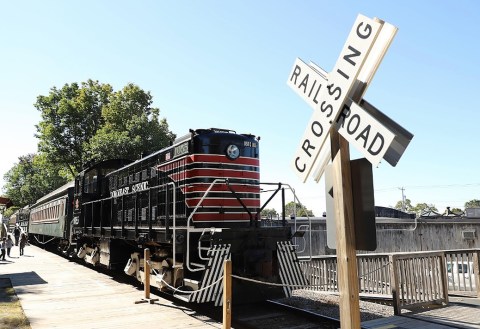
pixel 193 205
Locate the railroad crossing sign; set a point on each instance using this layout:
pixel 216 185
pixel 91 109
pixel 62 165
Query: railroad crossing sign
pixel 375 135
pixel 339 110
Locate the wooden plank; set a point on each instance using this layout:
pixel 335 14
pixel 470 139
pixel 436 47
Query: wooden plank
pixel 443 278
pixel 429 267
pixel 402 322
pixel 476 268
pixel 345 229
pixel 395 284
pixel 410 280
pixel 227 294
pixel 458 316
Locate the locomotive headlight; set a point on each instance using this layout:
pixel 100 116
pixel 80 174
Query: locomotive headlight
pixel 232 151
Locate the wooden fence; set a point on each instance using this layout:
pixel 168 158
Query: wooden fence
pixel 463 272
pixel 411 280
pixel 418 279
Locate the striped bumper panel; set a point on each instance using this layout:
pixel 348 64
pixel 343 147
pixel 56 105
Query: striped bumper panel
pixel 213 272
pixel 290 271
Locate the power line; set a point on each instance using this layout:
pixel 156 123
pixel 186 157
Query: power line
pixel 429 186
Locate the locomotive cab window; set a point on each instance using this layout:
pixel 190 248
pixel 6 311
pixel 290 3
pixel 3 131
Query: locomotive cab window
pixel 78 185
pixel 90 182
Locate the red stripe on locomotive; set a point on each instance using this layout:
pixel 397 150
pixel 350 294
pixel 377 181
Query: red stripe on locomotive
pixel 215 173
pixel 223 202
pixel 217 158
pixel 201 187
pixel 177 171
pixel 216 217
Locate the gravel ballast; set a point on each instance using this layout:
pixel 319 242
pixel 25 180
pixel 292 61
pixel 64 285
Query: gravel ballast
pixel 328 304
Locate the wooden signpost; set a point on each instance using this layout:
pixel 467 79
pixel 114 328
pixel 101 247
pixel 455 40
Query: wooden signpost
pixel 342 114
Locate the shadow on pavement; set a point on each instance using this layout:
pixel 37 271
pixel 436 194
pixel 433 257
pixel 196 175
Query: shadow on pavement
pixel 24 278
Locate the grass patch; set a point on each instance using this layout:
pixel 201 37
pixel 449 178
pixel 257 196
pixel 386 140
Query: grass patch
pixel 11 311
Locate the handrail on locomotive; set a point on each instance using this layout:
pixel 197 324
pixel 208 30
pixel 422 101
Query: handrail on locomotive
pixel 254 219
pixel 189 230
pixel 300 231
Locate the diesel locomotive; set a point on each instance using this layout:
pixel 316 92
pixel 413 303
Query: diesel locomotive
pixel 193 204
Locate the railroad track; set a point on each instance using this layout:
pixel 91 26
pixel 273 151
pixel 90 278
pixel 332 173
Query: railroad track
pixel 274 315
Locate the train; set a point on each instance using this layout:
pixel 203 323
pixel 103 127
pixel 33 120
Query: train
pixel 193 204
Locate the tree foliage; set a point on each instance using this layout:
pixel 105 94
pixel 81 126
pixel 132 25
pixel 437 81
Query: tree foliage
pixel 424 207
pixel 70 116
pixel 269 213
pixel 456 210
pixel 9 212
pixel 131 127
pixel 475 203
pixel 298 209
pixel 31 178
pixel 408 205
pixel 91 121
pixel 82 123
pixel 418 208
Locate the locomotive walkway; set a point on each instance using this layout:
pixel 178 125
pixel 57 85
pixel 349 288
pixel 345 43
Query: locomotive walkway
pixel 57 293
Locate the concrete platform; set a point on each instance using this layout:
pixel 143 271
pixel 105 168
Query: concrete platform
pixel 57 293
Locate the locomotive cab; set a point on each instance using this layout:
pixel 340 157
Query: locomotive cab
pixel 89 219
pixel 90 185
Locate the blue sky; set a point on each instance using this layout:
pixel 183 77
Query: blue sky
pixel 225 64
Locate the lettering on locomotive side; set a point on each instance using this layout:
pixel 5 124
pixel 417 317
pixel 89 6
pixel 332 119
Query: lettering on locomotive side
pixel 140 187
pixel 120 192
pixel 249 144
pixel 125 190
pixel 180 150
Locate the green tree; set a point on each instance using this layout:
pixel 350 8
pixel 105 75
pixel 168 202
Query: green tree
pixel 423 207
pixel 269 213
pixel 131 127
pixel 419 208
pixel 31 178
pixel 456 210
pixel 475 203
pixel 80 123
pixel 9 212
pixel 70 116
pixel 90 121
pixel 408 205
pixel 293 207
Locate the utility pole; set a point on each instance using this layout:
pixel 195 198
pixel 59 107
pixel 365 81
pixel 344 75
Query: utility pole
pixel 403 198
